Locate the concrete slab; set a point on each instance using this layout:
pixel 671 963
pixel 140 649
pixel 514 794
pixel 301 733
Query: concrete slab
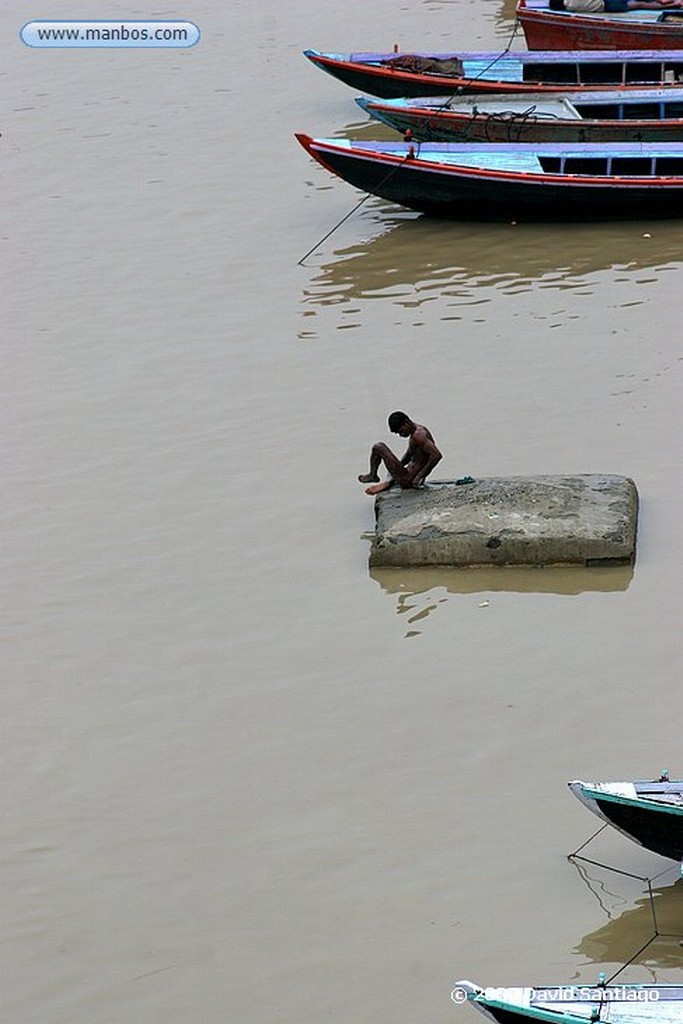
pixel 587 519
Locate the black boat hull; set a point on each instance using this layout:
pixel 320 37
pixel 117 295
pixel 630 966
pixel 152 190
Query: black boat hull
pixel 656 830
pixel 493 197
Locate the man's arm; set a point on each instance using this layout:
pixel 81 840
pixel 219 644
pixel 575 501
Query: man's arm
pixel 430 453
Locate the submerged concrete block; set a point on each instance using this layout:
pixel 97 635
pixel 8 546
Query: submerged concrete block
pixel 588 519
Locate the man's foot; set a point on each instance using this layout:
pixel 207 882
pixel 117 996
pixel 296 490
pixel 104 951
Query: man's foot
pixel 378 488
pixel 368 478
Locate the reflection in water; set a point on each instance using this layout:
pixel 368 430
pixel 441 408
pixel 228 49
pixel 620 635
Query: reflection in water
pixel 507 26
pixel 625 934
pixel 569 581
pixel 417 259
pixel 502 15
pixel 419 592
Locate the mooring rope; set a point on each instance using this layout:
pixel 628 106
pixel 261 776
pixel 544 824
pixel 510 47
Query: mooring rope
pixel 475 78
pixel 413 151
pixel 657 934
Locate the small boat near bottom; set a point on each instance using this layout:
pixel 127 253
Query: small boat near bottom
pixel 513 181
pixel 623 115
pixel 649 813
pixel 576 1003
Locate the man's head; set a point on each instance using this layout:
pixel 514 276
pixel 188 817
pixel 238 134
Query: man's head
pixel 401 424
pixel 556 5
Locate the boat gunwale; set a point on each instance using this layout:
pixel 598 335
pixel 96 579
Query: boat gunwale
pixel 641 802
pixel 583 94
pixel 513 56
pixel 467 171
pixel 535 1012
pixel 443 115
pixel 373 66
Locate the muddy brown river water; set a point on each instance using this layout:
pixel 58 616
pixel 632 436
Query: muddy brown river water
pixel 245 778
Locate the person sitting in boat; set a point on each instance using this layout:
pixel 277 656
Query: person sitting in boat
pixel 612 6
pixel 413 468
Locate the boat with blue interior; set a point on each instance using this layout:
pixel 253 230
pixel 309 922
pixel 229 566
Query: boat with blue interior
pixel 622 115
pixel 396 74
pixel 512 181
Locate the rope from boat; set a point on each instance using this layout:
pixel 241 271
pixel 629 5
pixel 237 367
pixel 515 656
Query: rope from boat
pixel 499 56
pixel 413 151
pixel 574 857
pixel 511 119
pixel 628 963
pixel 410 154
pixel 475 78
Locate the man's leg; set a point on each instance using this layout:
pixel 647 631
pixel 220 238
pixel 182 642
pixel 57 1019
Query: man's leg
pixel 378 488
pixel 382 453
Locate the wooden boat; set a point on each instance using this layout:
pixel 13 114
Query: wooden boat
pixel 513 181
pixel 650 813
pixel 429 74
pixel 576 1003
pixel 654 115
pixel 545 29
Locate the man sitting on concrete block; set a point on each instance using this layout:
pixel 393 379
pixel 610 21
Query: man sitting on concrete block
pixel 413 468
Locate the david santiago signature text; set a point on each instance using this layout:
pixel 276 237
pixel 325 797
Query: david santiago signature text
pixel 593 994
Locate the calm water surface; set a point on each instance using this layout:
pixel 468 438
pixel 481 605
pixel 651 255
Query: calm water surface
pixel 245 778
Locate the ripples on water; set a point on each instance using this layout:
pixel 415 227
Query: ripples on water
pixel 414 259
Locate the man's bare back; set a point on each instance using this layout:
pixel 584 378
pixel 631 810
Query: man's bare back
pixel 413 468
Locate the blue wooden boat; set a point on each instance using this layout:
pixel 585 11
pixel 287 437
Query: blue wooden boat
pixel 429 74
pixel 513 181
pixel 575 1003
pixel 649 813
pixel 546 29
pixel 620 115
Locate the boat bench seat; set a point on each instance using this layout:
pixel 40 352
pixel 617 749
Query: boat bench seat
pixel 525 162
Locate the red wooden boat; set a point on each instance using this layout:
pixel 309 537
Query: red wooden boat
pixel 545 29
pixel 431 74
